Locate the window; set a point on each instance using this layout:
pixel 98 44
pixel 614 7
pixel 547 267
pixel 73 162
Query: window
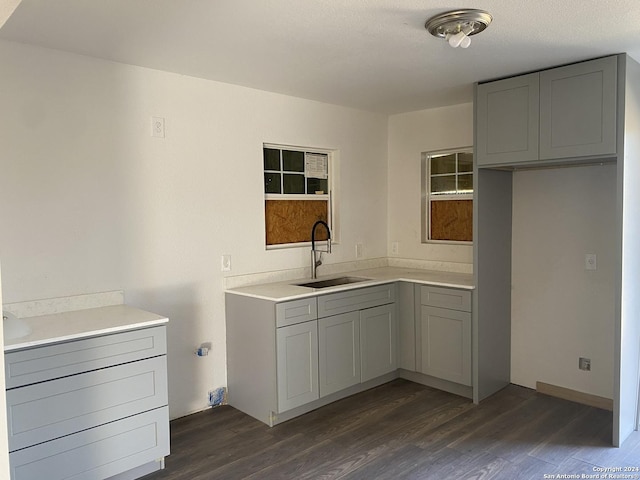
pixel 297 194
pixel 447 210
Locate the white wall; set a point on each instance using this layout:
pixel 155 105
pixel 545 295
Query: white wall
pixel 560 311
pixel 90 202
pixel 411 134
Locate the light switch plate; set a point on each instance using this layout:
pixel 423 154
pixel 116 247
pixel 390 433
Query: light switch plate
pixel 226 263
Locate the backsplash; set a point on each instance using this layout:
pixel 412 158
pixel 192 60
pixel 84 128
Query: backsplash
pixel 50 306
pixel 237 281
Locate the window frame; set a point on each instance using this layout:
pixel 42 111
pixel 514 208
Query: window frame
pixel 427 197
pixel 330 196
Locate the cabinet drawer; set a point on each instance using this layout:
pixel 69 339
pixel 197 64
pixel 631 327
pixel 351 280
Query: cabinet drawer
pixel 446 298
pixel 296 311
pixel 97 453
pixel 351 300
pixel 48 410
pixel 29 366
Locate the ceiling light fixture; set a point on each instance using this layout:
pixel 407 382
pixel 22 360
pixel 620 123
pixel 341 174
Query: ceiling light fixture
pixel 457 26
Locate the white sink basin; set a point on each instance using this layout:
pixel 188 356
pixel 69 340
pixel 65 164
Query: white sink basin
pixel 14 327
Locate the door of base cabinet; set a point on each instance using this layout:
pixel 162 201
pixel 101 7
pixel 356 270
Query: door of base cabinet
pixel 446 344
pixel 378 341
pixel 297 365
pixel 339 344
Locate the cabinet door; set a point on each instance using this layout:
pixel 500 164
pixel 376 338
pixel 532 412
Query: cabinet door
pixel 446 344
pixel 578 109
pixel 297 364
pixel 339 345
pixel 378 341
pixel 507 120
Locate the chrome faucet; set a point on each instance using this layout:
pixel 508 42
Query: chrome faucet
pixel 315 260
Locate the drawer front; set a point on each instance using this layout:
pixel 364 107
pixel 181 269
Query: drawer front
pixel 48 410
pixel 33 365
pixel 446 298
pixel 97 453
pixel 297 311
pixel 351 300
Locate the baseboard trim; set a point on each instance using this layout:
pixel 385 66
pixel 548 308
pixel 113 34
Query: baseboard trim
pixel 575 396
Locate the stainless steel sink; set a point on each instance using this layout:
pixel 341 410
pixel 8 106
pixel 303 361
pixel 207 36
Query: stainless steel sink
pixel 332 282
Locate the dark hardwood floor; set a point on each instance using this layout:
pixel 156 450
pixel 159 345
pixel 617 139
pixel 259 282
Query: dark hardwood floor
pixel 403 430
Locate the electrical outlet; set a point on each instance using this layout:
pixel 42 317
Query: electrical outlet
pixel 590 261
pixel 584 364
pixel 226 263
pixel 395 248
pixel 157 127
pixel 358 250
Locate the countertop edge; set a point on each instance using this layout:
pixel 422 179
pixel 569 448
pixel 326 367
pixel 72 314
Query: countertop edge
pixel 81 333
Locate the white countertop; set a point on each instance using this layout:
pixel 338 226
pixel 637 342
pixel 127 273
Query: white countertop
pixel 290 290
pixel 76 324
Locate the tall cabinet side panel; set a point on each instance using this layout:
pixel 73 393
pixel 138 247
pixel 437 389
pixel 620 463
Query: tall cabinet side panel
pixel 492 274
pixel 251 355
pixel 4 439
pixel 627 375
pixel 406 327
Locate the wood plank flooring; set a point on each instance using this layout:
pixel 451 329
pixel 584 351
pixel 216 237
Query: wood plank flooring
pixel 403 430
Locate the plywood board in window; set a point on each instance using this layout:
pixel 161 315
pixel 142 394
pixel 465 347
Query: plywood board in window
pixel 452 220
pixel 291 221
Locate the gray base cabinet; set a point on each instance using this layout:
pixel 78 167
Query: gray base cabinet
pixel 88 409
pixel 561 113
pixel 339 342
pixel 446 344
pixel 378 341
pixel 286 358
pixel 444 333
pixel 98 453
pixel 359 342
pixel 297 365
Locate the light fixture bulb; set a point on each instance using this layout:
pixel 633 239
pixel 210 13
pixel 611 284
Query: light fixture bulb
pixel 456 39
pixel 457 26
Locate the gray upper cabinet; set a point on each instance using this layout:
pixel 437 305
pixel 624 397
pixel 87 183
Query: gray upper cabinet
pixel 561 113
pixel 507 120
pixel 578 109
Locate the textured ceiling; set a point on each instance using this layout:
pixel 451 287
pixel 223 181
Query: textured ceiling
pixel 369 54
